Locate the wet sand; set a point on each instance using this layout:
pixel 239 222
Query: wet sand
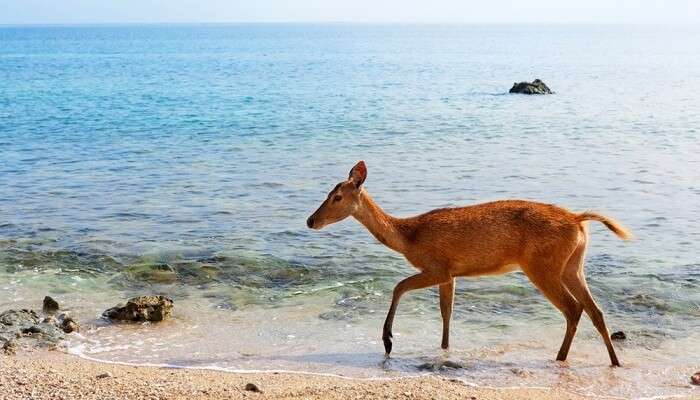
pixel 52 374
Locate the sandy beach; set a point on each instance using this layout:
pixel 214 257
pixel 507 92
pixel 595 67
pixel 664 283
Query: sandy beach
pixel 56 375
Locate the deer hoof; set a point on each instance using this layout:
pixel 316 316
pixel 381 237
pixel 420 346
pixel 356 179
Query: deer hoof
pixel 386 338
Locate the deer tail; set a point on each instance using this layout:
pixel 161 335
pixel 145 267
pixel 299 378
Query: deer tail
pixel 612 224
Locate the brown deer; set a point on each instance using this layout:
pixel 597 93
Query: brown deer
pixel 546 242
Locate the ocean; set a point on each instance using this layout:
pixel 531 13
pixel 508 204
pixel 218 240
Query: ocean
pixel 184 160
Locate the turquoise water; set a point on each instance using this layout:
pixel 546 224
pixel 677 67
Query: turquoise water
pixel 200 151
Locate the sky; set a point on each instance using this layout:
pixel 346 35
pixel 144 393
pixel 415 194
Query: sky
pixel 453 11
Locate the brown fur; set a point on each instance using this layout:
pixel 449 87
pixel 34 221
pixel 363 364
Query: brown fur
pixel 547 242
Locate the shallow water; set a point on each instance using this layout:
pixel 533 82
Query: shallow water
pixel 200 151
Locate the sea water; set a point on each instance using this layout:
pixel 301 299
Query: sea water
pixel 184 160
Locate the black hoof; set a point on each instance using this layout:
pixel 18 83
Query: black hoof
pixel 387 343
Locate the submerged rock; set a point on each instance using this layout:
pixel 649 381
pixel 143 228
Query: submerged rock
pixel 619 335
pixel 151 272
pixel 50 305
pixel 143 308
pixel 534 87
pixel 439 365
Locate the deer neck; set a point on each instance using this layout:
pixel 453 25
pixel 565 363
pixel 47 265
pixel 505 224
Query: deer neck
pixel 381 225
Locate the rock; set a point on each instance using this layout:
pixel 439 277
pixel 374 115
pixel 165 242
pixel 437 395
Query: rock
pixel 434 366
pixel 695 379
pixel 15 324
pixel 619 335
pixel 451 364
pixel 45 332
pixel 151 272
pixel 104 375
pixel 18 318
pixel 426 367
pixel 534 87
pixel 50 305
pixel 67 324
pixel 10 347
pixel 143 308
pixel 251 387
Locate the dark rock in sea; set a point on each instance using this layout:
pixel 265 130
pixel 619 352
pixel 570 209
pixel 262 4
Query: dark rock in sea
pixel 619 335
pixel 143 308
pixel 50 305
pixel 534 87
pixel 695 379
pixel 251 387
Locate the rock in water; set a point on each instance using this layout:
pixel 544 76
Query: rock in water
pixel 50 305
pixel 19 318
pixel 143 308
pixel 67 324
pixel 619 335
pixel 695 379
pixel 534 87
pixel 151 272
pixel 15 324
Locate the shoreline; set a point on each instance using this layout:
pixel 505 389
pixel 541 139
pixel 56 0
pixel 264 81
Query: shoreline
pixel 43 374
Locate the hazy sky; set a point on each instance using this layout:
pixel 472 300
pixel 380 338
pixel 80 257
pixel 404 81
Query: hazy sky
pixel 103 11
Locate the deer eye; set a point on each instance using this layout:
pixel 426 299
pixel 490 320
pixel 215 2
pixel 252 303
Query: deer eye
pixel 337 197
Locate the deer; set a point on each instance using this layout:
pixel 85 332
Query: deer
pixel 546 242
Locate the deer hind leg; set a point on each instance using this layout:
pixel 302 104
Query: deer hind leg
pixel 575 282
pixel 447 293
pixel 547 278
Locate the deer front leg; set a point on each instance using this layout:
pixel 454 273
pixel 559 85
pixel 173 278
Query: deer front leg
pixel 418 281
pixel 447 293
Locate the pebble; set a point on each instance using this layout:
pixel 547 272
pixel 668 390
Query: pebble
pixel 251 387
pixel 619 335
pixel 10 347
pixel 695 379
pixel 104 375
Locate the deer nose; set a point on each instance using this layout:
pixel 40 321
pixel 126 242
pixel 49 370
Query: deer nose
pixel 310 222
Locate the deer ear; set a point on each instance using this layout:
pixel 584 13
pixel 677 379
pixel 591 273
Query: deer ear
pixel 358 174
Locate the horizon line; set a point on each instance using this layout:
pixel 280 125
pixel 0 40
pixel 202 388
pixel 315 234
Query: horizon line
pixel 341 22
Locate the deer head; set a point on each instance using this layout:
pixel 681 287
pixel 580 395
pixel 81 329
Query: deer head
pixel 342 201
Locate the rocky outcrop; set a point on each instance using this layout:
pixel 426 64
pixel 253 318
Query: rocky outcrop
pixel 143 308
pixel 18 324
pixel 534 87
